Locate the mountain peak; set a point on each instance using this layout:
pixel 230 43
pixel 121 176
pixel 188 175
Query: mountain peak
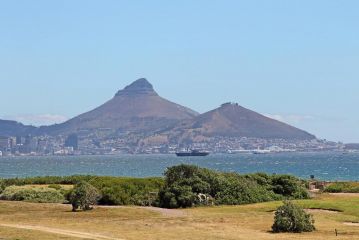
pixel 140 86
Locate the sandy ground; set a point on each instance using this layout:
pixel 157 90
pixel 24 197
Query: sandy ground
pixel 345 194
pixel 321 211
pixel 354 224
pixel 164 211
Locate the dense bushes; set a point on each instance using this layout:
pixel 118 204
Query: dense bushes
pixel 292 218
pixel 185 183
pixel 32 194
pixel 345 187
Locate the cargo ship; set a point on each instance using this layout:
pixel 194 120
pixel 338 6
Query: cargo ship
pixel 193 153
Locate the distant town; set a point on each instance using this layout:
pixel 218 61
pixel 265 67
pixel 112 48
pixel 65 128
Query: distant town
pixel 77 145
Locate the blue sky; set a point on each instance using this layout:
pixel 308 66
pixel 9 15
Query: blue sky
pixel 297 61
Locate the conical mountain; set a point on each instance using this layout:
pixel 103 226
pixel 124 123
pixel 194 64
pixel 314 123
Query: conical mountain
pixel 136 108
pixel 232 120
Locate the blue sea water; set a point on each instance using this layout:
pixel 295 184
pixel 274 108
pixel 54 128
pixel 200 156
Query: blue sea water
pixel 325 166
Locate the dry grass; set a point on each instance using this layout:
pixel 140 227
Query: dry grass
pixel 224 222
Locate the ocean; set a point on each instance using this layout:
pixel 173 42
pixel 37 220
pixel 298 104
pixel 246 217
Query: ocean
pixel 325 165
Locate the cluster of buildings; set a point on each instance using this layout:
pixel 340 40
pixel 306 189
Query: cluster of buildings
pixel 85 145
pixel 37 145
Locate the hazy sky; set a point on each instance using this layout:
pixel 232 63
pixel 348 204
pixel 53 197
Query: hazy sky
pixel 297 61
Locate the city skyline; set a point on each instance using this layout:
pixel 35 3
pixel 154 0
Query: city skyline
pixel 288 61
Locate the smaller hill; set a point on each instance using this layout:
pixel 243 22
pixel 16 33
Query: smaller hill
pixel 232 120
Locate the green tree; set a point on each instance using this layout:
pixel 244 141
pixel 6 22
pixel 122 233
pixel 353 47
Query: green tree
pixel 83 196
pixel 292 218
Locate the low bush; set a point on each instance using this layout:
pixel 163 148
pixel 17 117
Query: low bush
pixel 32 194
pixel 292 218
pixel 343 187
pixel 83 196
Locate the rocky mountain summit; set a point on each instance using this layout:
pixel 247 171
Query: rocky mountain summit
pixel 136 108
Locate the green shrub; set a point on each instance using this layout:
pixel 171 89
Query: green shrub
pixel 292 218
pixel 345 187
pixel 83 196
pixel 289 186
pixel 32 194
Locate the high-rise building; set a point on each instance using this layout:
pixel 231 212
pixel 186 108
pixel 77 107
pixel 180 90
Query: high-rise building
pixel 4 144
pixel 72 141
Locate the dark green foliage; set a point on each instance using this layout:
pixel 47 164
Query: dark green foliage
pixel 184 184
pixel 285 185
pixel 288 186
pixel 292 218
pixel 47 180
pixel 83 196
pixel 345 187
pixel 32 194
pixel 2 186
pixel 126 191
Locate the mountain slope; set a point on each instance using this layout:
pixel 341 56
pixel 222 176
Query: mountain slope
pixel 232 120
pixel 13 128
pixel 136 108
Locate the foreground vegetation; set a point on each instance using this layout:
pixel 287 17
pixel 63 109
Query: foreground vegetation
pixel 33 221
pixel 182 186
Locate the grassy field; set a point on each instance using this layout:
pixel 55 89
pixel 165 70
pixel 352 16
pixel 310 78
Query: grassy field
pixel 33 221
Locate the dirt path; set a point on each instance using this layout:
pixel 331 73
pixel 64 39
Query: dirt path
pixel 345 194
pixel 167 212
pixel 70 233
pixel 164 211
pixel 355 224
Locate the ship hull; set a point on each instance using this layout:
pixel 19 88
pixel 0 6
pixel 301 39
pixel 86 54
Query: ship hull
pixel 190 154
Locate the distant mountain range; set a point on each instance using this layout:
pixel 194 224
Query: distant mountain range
pixel 138 109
